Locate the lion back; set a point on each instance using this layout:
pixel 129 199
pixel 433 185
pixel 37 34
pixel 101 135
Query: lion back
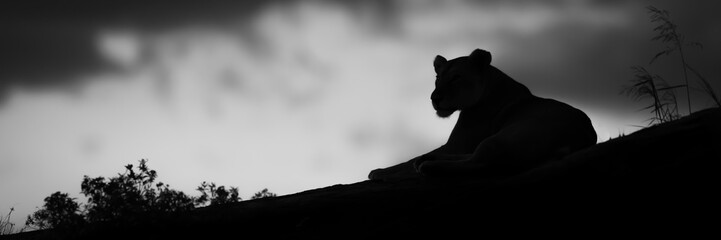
pixel 541 128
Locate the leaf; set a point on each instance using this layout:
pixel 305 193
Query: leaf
pixel 650 106
pixel 664 52
pixel 640 83
pixel 671 87
pixel 706 86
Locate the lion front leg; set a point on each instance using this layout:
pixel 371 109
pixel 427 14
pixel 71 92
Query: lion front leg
pixel 410 169
pixel 439 157
pixel 396 172
pixel 487 152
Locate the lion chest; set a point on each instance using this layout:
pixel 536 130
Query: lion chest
pixel 469 131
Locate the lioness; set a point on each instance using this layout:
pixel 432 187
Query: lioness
pixel 502 128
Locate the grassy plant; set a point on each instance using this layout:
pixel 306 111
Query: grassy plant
pixel 667 32
pixel 706 86
pixel 647 85
pixel 650 86
pixel 7 227
pixel 620 135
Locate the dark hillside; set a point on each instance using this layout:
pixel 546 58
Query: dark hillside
pixel 658 180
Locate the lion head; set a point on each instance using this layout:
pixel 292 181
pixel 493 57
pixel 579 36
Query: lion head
pixel 459 82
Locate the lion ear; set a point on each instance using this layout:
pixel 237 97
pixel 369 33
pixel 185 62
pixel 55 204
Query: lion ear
pixel 481 56
pixel 438 62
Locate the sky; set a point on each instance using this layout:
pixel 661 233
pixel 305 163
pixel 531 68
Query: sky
pixel 295 95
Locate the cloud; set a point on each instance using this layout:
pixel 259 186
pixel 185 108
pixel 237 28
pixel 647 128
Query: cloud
pixel 291 95
pixel 50 44
pixel 204 104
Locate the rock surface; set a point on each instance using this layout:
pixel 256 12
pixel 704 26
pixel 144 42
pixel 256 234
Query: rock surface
pixel 657 180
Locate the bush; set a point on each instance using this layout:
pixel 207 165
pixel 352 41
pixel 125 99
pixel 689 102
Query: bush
pixel 216 195
pixel 130 194
pixel 128 198
pixel 263 194
pixel 59 211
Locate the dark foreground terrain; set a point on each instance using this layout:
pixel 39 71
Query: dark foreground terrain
pixel 657 181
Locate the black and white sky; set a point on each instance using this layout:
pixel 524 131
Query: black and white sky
pixel 292 95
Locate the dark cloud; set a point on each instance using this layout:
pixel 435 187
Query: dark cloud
pixel 52 43
pixel 696 22
pixel 40 55
pixel 593 67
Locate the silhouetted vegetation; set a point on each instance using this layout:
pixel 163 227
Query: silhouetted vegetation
pixel 263 194
pixel 130 195
pixel 647 85
pixel 212 194
pixel 127 198
pixel 59 211
pixel 7 227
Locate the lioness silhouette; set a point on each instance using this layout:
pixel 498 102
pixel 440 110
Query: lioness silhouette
pixel 502 128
